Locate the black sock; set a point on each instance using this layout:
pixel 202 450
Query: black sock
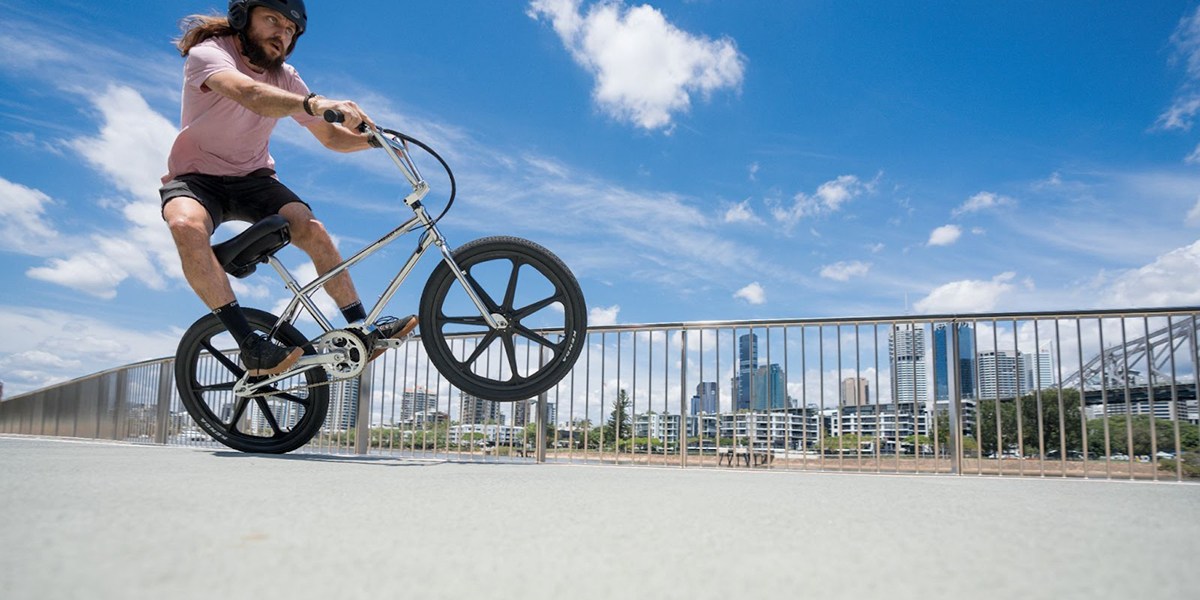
pixel 235 322
pixel 354 312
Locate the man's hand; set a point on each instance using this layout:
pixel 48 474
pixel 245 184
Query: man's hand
pixel 354 115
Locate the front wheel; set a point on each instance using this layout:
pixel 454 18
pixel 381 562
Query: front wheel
pixel 528 286
pixel 280 421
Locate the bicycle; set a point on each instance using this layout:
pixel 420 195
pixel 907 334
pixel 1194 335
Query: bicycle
pixel 494 296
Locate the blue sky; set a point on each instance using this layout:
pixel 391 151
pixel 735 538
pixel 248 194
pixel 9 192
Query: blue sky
pixel 690 160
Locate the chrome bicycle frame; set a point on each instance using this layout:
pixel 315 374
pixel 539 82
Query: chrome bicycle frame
pixel 302 295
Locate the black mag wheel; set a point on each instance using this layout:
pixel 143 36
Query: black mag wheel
pixel 538 296
pixel 273 424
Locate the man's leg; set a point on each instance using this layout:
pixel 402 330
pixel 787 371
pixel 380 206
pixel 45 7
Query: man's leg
pixel 191 226
pixel 310 235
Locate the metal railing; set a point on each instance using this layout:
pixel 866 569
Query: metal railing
pixel 1109 394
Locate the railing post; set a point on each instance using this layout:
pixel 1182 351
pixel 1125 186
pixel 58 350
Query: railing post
pixel 362 419
pixel 683 398
pixel 543 410
pixel 954 408
pixel 165 373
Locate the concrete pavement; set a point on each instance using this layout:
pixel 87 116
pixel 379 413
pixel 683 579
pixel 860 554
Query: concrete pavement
pixel 105 520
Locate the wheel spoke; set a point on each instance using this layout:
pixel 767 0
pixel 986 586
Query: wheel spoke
pixel 305 402
pixel 511 350
pixel 217 387
pixel 270 416
pixel 480 349
pixel 475 320
pixel 536 306
pixel 238 410
pixel 511 292
pixel 221 358
pixel 534 336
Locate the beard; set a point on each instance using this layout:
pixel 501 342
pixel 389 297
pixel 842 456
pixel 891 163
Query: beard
pixel 256 53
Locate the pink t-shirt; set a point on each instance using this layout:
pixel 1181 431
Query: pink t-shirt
pixel 217 135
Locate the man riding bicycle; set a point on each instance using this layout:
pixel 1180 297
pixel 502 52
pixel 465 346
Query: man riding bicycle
pixel 236 87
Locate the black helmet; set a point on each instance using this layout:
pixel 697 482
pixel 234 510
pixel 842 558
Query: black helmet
pixel 239 13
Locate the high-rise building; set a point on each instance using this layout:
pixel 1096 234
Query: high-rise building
pixel 747 363
pixel 856 391
pixel 757 387
pixel 998 375
pixel 965 363
pixel 1037 373
pixel 1006 376
pixel 524 412
pixel 705 400
pixel 477 411
pixel 907 345
pixel 343 405
pixel 416 401
pixel 770 388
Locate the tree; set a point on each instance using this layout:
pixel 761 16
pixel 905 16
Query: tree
pixel 1052 432
pixel 1139 425
pixel 847 443
pixel 619 425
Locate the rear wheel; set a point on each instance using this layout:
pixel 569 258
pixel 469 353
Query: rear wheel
pixel 276 423
pixel 533 290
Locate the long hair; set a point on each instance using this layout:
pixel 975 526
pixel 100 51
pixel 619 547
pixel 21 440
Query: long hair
pixel 197 28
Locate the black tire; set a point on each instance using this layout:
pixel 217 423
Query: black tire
pixel 530 287
pixel 205 377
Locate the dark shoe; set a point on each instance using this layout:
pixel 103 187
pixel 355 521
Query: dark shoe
pixel 391 328
pixel 264 357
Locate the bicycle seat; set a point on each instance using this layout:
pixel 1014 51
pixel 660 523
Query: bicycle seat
pixel 240 255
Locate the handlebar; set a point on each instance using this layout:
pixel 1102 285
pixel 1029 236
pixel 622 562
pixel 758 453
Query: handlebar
pixel 398 151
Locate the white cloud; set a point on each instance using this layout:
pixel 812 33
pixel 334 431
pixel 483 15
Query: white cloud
pixel 741 213
pixel 967 296
pixel 1173 279
pixel 133 143
pixel 843 271
pixel 23 226
pixel 753 170
pixel 1193 216
pixel 131 150
pixel 753 293
pixel 1194 157
pixel 829 198
pixel 945 235
pixel 1186 40
pixel 95 345
pixel 603 315
pixel 1181 114
pixel 983 201
pixel 646 70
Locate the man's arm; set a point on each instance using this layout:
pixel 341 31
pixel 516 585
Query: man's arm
pixel 270 101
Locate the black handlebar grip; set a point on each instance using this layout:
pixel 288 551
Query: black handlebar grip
pixel 334 116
